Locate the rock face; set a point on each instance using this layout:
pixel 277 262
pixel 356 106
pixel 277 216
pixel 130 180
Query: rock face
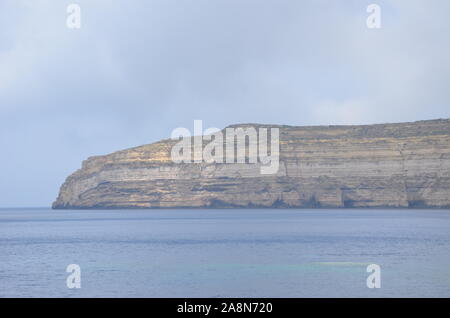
pixel 403 165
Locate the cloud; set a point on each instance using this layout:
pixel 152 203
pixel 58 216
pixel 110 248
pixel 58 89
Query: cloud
pixel 136 70
pixel 347 112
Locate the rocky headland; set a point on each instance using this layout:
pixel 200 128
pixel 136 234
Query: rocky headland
pixel 404 165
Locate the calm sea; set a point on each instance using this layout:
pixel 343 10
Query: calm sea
pixel 224 253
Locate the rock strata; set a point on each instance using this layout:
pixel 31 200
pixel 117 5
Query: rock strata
pixel 404 165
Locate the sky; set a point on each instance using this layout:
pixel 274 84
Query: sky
pixel 135 70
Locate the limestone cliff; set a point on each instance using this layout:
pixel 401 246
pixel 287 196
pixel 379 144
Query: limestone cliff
pixel 386 165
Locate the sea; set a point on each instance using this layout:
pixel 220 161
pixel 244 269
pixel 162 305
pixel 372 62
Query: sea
pixel 224 253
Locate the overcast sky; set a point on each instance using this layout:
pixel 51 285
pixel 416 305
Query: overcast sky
pixel 136 70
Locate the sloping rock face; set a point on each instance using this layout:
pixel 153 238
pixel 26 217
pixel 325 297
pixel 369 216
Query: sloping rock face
pixel 403 165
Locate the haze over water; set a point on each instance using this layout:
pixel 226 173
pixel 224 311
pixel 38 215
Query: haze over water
pixel 224 253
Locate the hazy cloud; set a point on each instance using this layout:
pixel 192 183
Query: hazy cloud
pixel 138 69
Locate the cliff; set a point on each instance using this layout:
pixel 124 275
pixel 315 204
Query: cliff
pixel 404 165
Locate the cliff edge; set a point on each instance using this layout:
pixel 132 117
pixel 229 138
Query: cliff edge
pixel 404 165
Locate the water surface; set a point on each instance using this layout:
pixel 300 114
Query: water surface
pixel 224 253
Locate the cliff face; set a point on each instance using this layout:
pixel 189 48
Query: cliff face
pixel 389 165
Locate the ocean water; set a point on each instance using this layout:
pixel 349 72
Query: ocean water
pixel 224 253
